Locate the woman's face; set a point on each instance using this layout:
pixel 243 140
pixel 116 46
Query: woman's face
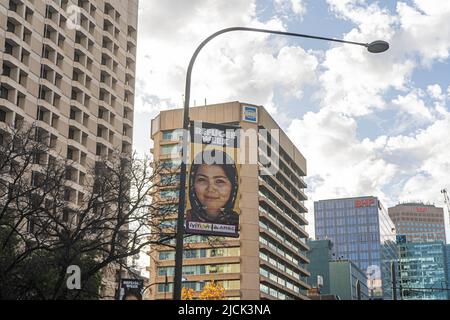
pixel 212 187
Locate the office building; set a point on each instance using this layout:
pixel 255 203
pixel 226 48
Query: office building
pixel 347 281
pixel 69 67
pixel 361 231
pixel 447 268
pixel 423 273
pixel 334 278
pixel 319 265
pixel 418 222
pixel 268 260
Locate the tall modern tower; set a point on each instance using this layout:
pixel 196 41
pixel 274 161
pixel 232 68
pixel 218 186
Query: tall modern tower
pixel 268 260
pixel 362 232
pixel 69 67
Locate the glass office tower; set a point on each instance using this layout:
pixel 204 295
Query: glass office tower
pixel 361 231
pixel 423 271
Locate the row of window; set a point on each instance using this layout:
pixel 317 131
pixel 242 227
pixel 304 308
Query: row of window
pixel 172 135
pixel 279 250
pixel 169 179
pixel 279 264
pixel 169 194
pixel 347 238
pixel 198 239
pixel 201 253
pixel 201 269
pixel 279 279
pixel 263 192
pixel 346 220
pixel 275 216
pixel 286 211
pixel 352 229
pixel 278 234
pixel 198 286
pixel 277 294
pixel 172 150
pixel 422 224
pixel 297 181
pixel 288 198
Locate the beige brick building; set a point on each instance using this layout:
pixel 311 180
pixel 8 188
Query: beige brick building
pixel 418 221
pixel 268 260
pixel 69 67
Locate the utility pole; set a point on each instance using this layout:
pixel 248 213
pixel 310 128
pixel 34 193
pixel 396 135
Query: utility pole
pixel 394 280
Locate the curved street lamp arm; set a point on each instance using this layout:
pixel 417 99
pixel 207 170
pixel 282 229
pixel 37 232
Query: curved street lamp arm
pixel 200 47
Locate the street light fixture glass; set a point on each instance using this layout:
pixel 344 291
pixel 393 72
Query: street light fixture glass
pixel 378 46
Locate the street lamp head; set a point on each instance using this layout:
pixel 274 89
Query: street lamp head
pixel 378 46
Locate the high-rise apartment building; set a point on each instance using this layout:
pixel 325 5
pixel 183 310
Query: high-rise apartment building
pixel 361 231
pixel 268 260
pixel 418 222
pixel 68 66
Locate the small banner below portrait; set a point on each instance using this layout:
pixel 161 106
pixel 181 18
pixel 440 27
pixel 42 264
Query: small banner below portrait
pixel 213 180
pixel 131 289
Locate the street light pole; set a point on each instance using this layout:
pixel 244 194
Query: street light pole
pixel 374 47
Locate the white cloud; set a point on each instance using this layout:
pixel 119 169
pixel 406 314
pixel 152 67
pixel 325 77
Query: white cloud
pixel 431 150
pixel 355 81
pixel 339 164
pixel 297 7
pixel 235 66
pixel 399 168
pixel 346 165
pixel 435 92
pixel 425 28
pixel 414 105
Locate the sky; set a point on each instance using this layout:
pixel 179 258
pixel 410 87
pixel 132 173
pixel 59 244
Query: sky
pixel 368 124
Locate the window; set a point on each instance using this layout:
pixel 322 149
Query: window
pixel 12 6
pixel 3 92
pixel 8 48
pixel 170 150
pixel 10 27
pixel 6 70
pixel 2 115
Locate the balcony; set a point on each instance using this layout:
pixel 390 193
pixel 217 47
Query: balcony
pixel 128 122
pixel 301 233
pixel 284 202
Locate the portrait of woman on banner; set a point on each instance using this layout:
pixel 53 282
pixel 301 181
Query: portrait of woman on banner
pixel 213 189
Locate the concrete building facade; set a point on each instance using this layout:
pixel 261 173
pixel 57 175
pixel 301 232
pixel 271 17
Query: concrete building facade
pixel 68 66
pixel 268 260
pixel 418 222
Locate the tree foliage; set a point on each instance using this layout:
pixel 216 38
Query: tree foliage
pixel 212 291
pixel 51 219
pixel 187 294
